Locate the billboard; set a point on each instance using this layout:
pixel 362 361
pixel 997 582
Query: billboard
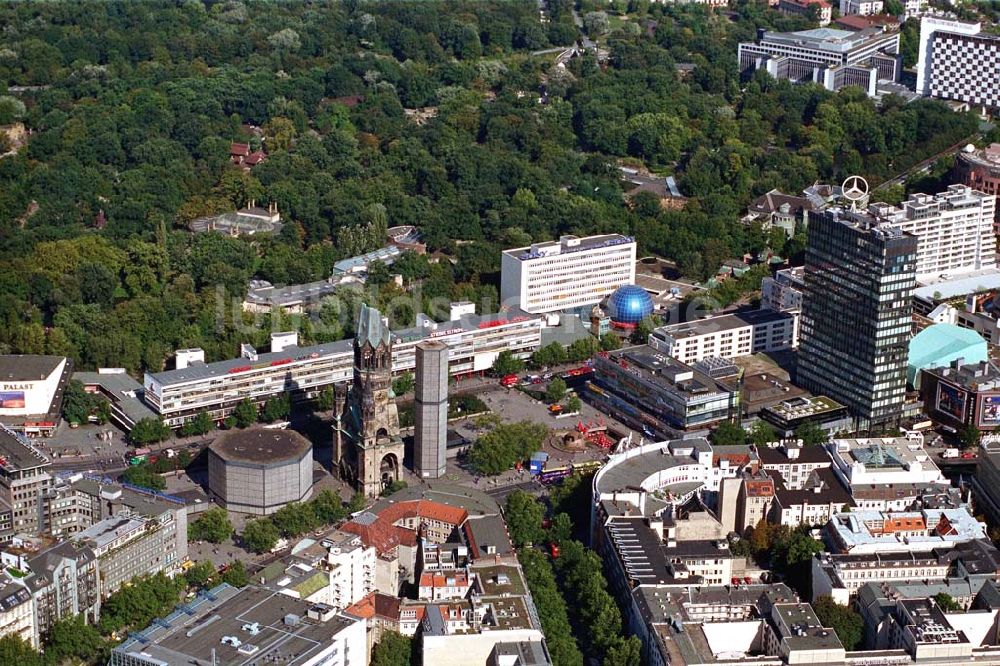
pixel 951 401
pixel 12 400
pixel 989 411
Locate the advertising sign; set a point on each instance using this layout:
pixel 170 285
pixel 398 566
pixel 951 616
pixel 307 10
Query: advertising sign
pixel 989 412
pixel 12 400
pixel 951 401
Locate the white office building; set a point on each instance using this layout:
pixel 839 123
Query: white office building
pixel 860 7
pixel 566 274
pixel 954 229
pixel 829 57
pixel 956 61
pixel 728 336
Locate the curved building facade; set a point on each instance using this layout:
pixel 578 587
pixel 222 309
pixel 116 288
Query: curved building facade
pixel 258 471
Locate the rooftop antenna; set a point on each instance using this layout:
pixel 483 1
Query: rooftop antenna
pixel 855 190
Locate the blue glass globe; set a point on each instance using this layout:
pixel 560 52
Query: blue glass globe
pixel 629 304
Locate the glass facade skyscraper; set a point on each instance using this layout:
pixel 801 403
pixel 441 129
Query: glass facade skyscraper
pixel 856 307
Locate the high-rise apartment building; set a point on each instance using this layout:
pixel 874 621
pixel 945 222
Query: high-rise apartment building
pixel 954 229
pixel 957 61
pixel 565 274
pixel 430 435
pixel 859 277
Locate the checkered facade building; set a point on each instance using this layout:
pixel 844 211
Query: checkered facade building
pixel 966 68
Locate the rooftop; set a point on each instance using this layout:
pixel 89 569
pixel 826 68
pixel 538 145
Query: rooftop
pixel 340 348
pixel 721 323
pixel 102 534
pixel 641 467
pixel 567 244
pixel 981 376
pixel 825 39
pixel 17 454
pixel 28 367
pixel 290 631
pixel 261 292
pixel 663 372
pixel 904 530
pixel 386 255
pixel 260 446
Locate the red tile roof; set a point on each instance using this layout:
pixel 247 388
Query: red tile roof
pixel 240 149
pixel 256 157
pixel 383 534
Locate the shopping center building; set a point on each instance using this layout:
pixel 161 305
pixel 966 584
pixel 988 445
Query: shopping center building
pixel 474 342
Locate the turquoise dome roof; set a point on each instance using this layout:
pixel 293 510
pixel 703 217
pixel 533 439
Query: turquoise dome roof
pixel 938 345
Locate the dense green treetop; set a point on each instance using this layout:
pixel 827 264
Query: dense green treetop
pixel 133 109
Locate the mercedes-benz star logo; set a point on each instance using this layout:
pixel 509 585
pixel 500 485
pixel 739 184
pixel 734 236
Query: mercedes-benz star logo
pixel 855 188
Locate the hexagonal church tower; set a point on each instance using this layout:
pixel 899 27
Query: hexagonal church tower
pixel 367 445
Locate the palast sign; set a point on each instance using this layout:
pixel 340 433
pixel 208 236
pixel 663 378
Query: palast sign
pixel 16 387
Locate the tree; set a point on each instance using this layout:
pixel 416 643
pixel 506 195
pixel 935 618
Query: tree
pixel 403 384
pixel 143 476
pixel 328 507
pixel 762 433
pixel 358 503
pixel 811 434
pixel 596 23
pixel 573 405
pixel 77 404
pixel 393 649
pixel 556 390
pixel 260 535
pixel 294 519
pixel 245 413
pixel 14 650
pixel 551 354
pixel 149 431
pixel 728 433
pixel 947 603
pixel 212 526
pixel 136 604
pixel 325 400
pixel 561 528
pixel 201 424
pixel 552 611
pixel 72 639
pixel 610 342
pixel 507 364
pixel 969 436
pixel 524 516
pixel 844 621
pixel 275 409
pixel 236 574
pixel 200 575
pixel 505 446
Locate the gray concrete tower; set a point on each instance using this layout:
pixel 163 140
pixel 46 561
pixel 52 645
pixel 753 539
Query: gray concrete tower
pixel 430 435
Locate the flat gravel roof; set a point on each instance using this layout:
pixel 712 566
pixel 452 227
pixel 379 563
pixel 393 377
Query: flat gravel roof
pixel 260 446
